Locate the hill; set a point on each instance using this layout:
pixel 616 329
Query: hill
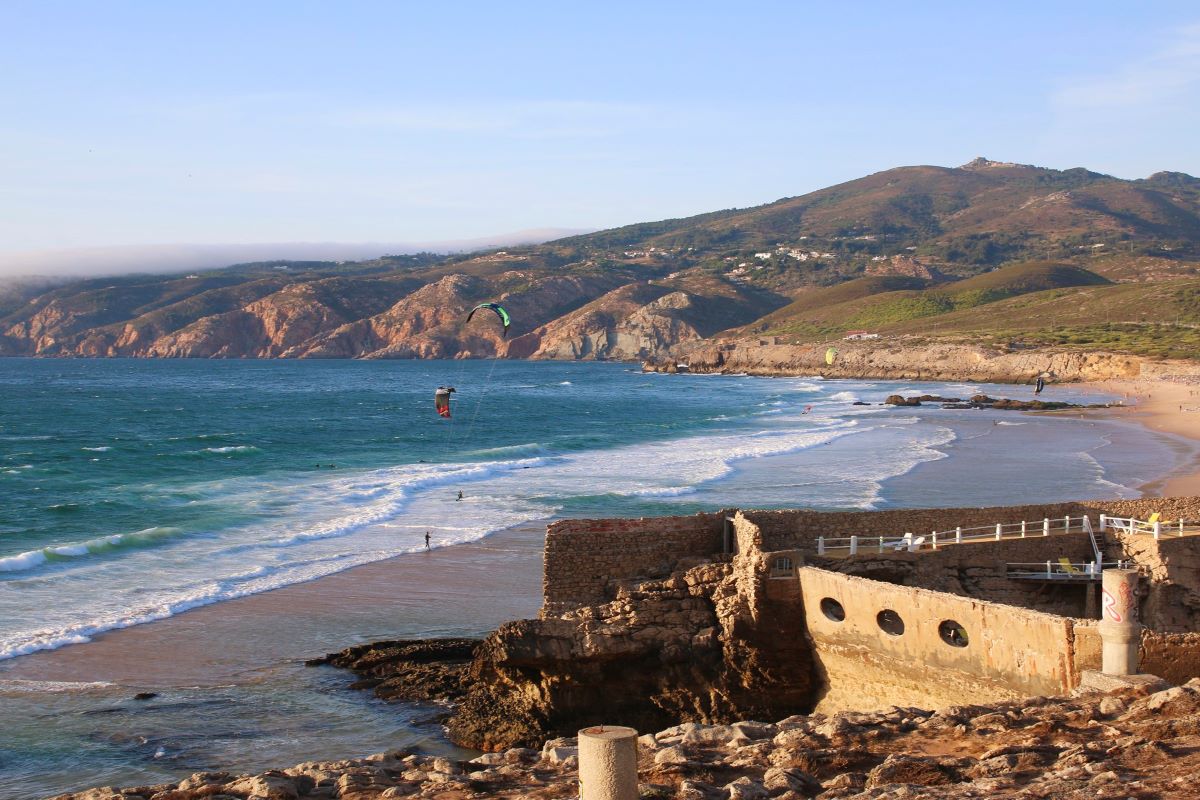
pixel 913 251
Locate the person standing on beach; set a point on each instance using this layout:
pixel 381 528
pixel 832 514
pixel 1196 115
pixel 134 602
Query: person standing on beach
pixel 426 540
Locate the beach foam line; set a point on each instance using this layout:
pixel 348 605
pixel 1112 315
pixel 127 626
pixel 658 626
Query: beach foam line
pixel 51 687
pixel 394 488
pixel 1099 479
pixel 32 559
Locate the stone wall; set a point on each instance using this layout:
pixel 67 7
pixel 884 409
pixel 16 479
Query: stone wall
pixel 784 530
pixel 584 557
pixel 1171 602
pixel 1009 652
pixel 979 570
pixel 1174 656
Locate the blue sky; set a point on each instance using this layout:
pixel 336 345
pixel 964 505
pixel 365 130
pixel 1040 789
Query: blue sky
pixel 130 123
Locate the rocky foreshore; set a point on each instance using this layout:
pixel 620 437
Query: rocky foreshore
pixel 1139 743
pixel 903 359
pixel 983 401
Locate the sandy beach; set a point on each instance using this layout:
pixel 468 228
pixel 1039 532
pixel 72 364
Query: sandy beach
pixel 1169 406
pixel 471 588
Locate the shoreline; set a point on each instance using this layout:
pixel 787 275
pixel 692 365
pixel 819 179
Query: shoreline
pixel 369 589
pixel 1165 406
pixel 260 638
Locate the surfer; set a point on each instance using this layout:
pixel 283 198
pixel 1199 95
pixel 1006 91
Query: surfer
pixel 426 540
pixel 460 496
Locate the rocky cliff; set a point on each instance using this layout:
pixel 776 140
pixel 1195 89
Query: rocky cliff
pixel 594 315
pixel 900 360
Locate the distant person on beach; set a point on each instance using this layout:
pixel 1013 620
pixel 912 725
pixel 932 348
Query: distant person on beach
pixel 426 540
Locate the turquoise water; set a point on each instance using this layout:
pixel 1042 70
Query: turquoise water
pixel 133 491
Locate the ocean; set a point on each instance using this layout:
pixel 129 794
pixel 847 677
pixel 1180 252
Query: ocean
pixel 200 497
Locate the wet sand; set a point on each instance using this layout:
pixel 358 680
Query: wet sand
pixel 461 590
pixel 1169 407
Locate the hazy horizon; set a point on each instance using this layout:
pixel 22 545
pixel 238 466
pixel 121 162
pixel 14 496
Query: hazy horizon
pixel 79 262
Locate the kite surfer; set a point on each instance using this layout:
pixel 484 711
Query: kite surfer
pixel 441 400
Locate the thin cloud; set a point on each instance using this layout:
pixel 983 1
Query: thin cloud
pixel 1166 76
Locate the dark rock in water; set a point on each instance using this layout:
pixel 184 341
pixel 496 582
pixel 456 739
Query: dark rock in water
pixel 983 401
pixel 415 670
pixel 898 400
pixel 145 695
pixel 859 403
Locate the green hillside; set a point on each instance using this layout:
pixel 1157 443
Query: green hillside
pixel 881 304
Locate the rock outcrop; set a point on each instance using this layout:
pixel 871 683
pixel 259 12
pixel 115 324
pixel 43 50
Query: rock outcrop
pixel 1128 743
pixel 903 360
pixel 684 647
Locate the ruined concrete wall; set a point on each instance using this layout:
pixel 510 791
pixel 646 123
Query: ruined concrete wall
pixel 1010 652
pixel 583 557
pixel 978 570
pixel 782 530
pixel 1171 598
pixel 1174 656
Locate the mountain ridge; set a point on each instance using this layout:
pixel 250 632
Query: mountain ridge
pixel 907 243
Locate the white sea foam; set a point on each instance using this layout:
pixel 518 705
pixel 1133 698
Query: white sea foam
pixel 1096 469
pixel 104 449
pixel 240 448
pixel 51 687
pixel 35 558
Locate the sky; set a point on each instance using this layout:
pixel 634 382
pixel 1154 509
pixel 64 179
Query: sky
pixel 131 124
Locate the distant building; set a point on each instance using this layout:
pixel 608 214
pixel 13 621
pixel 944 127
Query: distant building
pixel 860 335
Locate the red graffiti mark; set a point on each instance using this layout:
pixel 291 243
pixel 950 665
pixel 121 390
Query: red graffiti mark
pixel 1110 607
pixel 1127 600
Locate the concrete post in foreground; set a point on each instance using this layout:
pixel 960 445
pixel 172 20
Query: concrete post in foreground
pixel 608 763
pixel 1120 630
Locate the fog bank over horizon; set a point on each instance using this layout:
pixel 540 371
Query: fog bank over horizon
pixel 95 262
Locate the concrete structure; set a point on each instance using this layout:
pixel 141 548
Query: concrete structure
pixel 1119 626
pixel 608 763
pixel 960 624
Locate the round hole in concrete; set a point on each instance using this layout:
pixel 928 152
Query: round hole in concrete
pixel 953 633
pixel 833 609
pixel 890 622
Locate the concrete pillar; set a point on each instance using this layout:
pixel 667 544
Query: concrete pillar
pixel 1120 630
pixel 608 763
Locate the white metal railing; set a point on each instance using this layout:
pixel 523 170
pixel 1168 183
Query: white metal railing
pixel 1157 528
pixel 1061 570
pixel 1087 526
pixel 853 545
